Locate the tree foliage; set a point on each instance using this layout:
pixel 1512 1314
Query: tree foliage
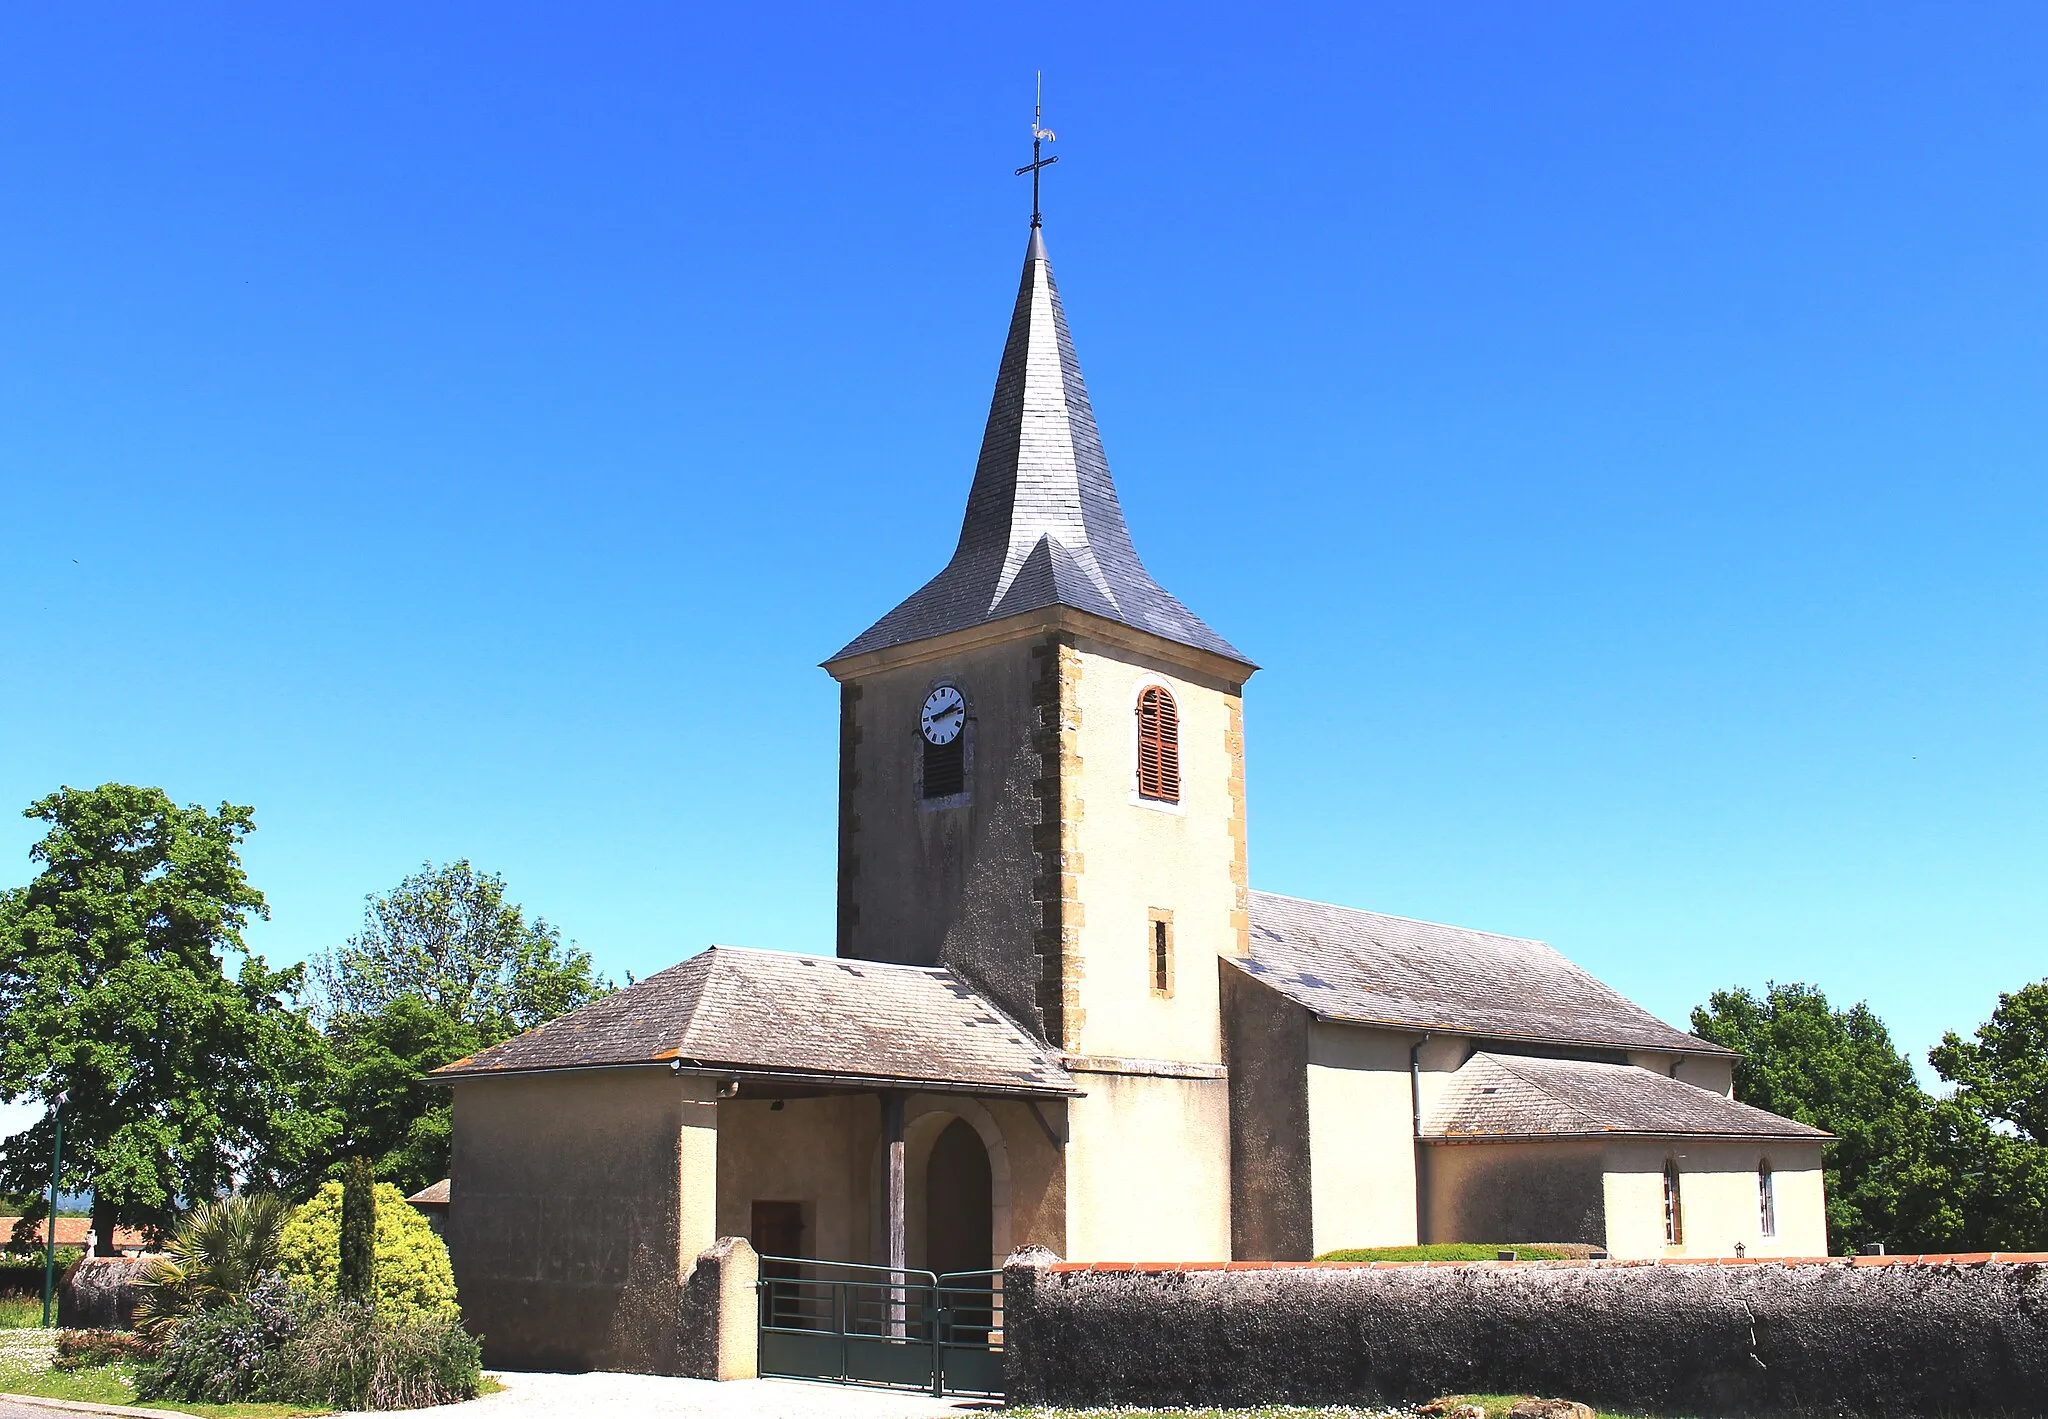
pixel 125 981
pixel 443 967
pixel 1838 1070
pixel 395 1114
pixel 1993 1133
pixel 447 937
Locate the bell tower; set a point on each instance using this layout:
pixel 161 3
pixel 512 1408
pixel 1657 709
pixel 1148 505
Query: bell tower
pixel 1042 750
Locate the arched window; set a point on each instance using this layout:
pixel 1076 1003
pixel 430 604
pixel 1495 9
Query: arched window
pixel 1766 1199
pixel 1158 746
pixel 1674 1213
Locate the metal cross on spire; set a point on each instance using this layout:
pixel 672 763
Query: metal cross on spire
pixel 1039 135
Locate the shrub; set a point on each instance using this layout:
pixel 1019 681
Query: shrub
pixel 357 1278
pixel 230 1353
pixel 414 1279
pixel 348 1356
pixel 83 1349
pixel 291 1345
pixel 217 1253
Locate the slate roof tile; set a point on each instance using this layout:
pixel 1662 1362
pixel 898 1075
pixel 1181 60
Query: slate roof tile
pixel 1514 1096
pixel 1360 966
pixel 1043 525
pixel 784 1013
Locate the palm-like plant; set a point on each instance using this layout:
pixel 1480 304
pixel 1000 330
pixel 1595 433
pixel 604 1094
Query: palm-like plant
pixel 218 1251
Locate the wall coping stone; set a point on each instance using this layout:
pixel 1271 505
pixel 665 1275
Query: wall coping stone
pixel 1979 1258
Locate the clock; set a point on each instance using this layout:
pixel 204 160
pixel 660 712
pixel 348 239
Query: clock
pixel 945 714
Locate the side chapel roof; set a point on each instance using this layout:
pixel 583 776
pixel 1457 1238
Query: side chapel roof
pixel 793 1016
pixel 1368 969
pixel 1513 1096
pixel 1043 525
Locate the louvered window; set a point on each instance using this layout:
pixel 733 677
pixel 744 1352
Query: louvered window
pixel 1158 746
pixel 945 767
pixel 1766 1199
pixel 1674 1210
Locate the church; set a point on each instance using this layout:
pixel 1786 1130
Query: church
pixel 1059 1014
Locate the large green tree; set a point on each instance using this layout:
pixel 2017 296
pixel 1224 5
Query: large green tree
pixel 1993 1131
pixel 1888 1178
pixel 444 966
pixel 125 982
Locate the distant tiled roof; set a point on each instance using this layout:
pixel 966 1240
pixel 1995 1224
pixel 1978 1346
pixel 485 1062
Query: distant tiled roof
pixel 432 1195
pixel 777 1012
pixel 1513 1096
pixel 1043 525
pixel 1360 966
pixel 71 1233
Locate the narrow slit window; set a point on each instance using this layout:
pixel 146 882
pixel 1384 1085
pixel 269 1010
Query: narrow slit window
pixel 1162 954
pixel 1766 1199
pixel 1674 1211
pixel 1158 746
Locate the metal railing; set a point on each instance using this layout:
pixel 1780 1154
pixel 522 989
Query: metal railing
pixel 843 1320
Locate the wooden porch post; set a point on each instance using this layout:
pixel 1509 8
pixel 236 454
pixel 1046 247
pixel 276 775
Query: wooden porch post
pixel 893 1190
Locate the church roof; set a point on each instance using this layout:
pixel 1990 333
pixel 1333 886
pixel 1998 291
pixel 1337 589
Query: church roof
pixel 1043 526
pixel 1369 969
pixel 728 1009
pixel 1513 1096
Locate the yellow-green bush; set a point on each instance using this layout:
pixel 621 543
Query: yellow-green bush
pixel 414 1279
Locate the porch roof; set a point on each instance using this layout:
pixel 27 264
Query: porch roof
pixel 808 1019
pixel 1501 1096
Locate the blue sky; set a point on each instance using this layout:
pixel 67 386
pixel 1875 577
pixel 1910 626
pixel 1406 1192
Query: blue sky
pixel 1619 431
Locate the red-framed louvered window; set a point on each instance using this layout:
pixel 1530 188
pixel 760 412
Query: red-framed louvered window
pixel 1158 746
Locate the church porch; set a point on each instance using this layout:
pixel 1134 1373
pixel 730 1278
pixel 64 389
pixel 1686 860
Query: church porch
pixel 827 1109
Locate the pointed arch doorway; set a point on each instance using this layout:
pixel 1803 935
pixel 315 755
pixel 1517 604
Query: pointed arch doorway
pixel 959 1228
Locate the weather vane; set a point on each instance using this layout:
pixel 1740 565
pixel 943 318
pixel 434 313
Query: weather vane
pixel 1039 135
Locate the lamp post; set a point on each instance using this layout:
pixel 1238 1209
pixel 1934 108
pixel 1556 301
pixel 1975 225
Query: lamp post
pixel 56 1168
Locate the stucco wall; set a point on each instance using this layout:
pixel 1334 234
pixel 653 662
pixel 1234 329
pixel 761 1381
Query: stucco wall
pixel 1039 888
pixel 577 1203
pixel 1718 1192
pixel 826 1154
pixel 1831 1338
pixel 1148 1169
pixel 1714 1073
pixel 1518 1192
pixel 815 1152
pixel 1362 1134
pixel 1141 856
pixel 922 884
pixel 1265 1046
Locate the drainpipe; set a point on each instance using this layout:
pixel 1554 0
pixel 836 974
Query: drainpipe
pixel 1421 1150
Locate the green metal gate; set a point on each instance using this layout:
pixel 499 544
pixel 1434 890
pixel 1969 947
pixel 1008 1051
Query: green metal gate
pixel 840 1320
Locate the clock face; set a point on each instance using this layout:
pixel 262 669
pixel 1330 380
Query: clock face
pixel 945 714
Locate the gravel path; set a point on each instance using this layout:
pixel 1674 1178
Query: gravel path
pixel 602 1396
pixel 530 1395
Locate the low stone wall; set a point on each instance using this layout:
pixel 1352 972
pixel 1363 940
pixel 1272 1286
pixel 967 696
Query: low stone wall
pixel 1871 1336
pixel 100 1293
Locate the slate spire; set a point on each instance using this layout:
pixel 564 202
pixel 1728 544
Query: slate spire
pixel 1043 526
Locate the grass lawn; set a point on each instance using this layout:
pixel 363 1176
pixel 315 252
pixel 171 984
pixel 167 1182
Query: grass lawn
pixel 19 1311
pixel 1445 1251
pixel 25 1369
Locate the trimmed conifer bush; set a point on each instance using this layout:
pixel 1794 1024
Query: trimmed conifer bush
pixel 358 1277
pixel 413 1277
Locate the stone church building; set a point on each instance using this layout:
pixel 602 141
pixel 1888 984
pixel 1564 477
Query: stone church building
pixel 1059 1014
